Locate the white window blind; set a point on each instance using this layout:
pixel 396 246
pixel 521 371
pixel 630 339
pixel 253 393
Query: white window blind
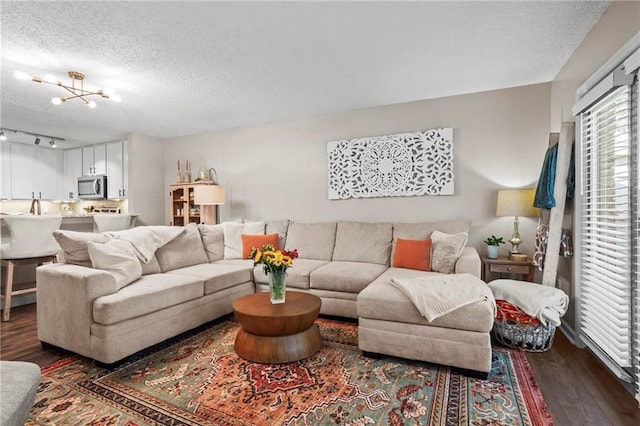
pixel 605 230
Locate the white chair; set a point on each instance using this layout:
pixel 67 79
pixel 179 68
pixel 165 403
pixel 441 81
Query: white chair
pixel 111 222
pixel 31 242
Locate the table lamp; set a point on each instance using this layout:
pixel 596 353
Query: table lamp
pixel 208 196
pixel 516 202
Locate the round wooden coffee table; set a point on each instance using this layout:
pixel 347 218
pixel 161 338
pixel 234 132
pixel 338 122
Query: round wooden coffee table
pixel 274 334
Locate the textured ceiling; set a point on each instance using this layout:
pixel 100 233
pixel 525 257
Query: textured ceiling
pixel 190 67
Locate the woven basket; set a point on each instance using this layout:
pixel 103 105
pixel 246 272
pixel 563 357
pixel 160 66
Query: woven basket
pixel 515 329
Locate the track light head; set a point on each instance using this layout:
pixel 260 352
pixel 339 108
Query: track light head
pixel 52 142
pixel 37 140
pixel 2 136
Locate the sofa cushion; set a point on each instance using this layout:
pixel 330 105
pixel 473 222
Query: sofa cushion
pixel 152 267
pixel 184 250
pixel 446 250
pixel 381 300
pixel 279 227
pixel 74 245
pixel 213 241
pixel 413 254
pixel 150 293
pixel 349 277
pixel 257 241
pixel 312 240
pixel 216 276
pixel 297 275
pixel 117 257
pixel 233 236
pixel 363 242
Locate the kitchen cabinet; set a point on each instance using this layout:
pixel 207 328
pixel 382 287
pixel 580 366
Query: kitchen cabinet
pixel 94 160
pixel 72 171
pixel 34 172
pixel 117 175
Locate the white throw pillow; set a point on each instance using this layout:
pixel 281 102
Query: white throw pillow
pixel 233 236
pixel 117 257
pixel 446 249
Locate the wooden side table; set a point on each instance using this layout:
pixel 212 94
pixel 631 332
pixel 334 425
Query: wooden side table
pixel 506 265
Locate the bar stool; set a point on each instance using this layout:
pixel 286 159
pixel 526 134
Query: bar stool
pixel 31 242
pixel 111 222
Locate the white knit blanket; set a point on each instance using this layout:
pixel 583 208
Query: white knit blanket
pixel 435 296
pixel 147 239
pixel 548 304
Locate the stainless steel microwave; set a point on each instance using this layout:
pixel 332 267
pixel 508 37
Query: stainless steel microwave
pixel 92 187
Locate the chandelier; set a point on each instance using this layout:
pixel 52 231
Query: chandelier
pixel 76 88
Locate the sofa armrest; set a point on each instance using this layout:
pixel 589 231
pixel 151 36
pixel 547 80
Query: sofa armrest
pixel 469 262
pixel 65 295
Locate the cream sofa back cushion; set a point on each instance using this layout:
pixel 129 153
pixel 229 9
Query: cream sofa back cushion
pixel 363 242
pixel 184 250
pixel 313 240
pixel 213 241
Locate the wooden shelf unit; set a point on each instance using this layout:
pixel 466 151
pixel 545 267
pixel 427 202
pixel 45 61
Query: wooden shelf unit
pixel 182 209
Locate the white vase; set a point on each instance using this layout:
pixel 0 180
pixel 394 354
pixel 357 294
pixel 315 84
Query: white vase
pixel 492 252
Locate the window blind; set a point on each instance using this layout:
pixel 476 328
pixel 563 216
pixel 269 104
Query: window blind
pixel 605 311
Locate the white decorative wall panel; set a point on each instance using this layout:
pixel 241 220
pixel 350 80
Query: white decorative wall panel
pixel 406 164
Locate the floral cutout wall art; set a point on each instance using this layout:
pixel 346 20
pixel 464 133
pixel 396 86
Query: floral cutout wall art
pixel 404 164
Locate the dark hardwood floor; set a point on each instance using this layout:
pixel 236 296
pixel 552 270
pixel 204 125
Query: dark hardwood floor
pixel 577 388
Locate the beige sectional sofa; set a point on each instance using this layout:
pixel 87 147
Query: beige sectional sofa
pixel 195 277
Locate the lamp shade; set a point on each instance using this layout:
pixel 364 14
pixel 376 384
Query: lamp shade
pixel 516 202
pixel 208 194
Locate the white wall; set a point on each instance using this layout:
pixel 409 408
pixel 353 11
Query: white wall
pixel 147 193
pixel 279 170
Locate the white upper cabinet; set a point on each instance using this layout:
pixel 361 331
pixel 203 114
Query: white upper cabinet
pixel 72 171
pixel 34 172
pixel 115 176
pixel 94 161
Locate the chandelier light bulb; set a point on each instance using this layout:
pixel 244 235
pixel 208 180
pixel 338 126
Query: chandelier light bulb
pixel 115 98
pixel 109 91
pixel 56 101
pixel 91 104
pixel 21 75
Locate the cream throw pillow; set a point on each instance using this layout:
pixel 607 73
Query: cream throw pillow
pixel 233 236
pixel 446 249
pixel 117 257
pixel 74 245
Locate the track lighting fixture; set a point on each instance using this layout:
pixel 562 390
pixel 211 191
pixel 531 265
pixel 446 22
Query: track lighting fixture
pixel 76 92
pixel 52 139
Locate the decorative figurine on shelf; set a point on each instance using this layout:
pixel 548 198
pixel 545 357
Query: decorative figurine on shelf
pixel 187 173
pixel 179 175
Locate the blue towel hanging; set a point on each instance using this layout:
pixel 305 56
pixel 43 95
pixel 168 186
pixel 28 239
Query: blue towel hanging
pixel 544 198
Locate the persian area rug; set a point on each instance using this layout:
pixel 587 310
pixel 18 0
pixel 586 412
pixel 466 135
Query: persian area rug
pixel 201 381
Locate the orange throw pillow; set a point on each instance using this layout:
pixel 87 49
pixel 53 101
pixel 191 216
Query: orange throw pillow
pixel 413 254
pixel 257 241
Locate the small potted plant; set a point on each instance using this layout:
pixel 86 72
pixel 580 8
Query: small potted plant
pixel 493 243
